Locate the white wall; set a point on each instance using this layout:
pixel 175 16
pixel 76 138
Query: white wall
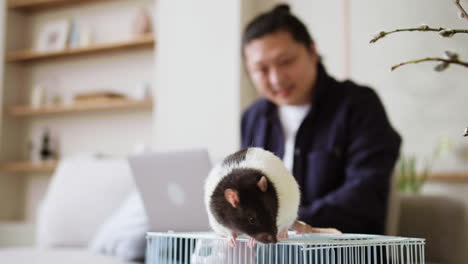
pixel 324 21
pixel 424 105
pixel 198 76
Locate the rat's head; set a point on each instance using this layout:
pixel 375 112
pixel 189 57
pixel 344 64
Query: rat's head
pixel 246 202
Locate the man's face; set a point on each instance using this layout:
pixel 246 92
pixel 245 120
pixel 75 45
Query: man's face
pixel 282 69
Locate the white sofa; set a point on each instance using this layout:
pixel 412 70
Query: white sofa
pixel 83 194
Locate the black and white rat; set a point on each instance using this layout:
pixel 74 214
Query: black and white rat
pixel 251 192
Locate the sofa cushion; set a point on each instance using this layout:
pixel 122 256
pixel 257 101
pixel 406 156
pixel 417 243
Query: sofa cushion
pixel 82 194
pixel 124 233
pixel 54 256
pixel 393 209
pixel 440 220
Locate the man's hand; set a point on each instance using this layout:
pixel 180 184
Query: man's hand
pixel 302 228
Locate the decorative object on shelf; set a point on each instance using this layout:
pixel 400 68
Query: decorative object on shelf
pixel 74 38
pixel 142 22
pixel 86 36
pixel 46 152
pixel 80 34
pixel 37 96
pixel 56 99
pixel 67 98
pixel 52 97
pixel 97 96
pixel 52 89
pixel 141 91
pixel 410 178
pixel 53 36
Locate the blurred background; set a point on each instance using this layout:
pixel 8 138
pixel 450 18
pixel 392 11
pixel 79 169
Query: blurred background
pixel 110 78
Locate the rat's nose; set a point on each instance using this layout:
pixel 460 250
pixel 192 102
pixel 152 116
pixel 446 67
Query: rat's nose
pixel 266 238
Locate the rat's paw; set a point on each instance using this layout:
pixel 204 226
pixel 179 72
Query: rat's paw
pixel 232 240
pixel 251 243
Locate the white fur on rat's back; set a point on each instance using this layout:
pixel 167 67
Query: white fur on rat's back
pixel 285 185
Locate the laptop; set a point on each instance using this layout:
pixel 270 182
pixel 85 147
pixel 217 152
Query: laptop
pixel 171 185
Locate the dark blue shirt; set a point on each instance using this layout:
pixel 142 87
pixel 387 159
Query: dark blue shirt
pixel 345 152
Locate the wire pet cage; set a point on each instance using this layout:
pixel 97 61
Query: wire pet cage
pixel 207 248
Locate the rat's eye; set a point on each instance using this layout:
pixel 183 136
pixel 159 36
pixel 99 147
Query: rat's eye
pixel 252 220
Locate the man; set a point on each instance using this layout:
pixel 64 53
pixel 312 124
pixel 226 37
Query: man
pixel 334 136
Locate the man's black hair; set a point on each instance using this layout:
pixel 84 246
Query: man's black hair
pixel 277 20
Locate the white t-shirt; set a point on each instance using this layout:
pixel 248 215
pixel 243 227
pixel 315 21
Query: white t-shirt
pixel 291 117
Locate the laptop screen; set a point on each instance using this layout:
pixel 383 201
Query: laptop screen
pixel 171 185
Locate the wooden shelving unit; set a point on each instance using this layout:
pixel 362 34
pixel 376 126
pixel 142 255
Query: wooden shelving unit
pixel 28 167
pixel 90 66
pixel 102 105
pixel 37 5
pixel 146 41
pixel 454 177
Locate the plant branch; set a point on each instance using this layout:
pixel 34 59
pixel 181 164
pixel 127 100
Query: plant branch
pixel 424 28
pixel 447 61
pixel 462 10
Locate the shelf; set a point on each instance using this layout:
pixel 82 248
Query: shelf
pixel 449 177
pixel 146 41
pixel 28 167
pixel 110 104
pixel 36 5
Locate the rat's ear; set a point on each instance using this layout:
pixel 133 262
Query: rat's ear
pixel 263 184
pixel 232 196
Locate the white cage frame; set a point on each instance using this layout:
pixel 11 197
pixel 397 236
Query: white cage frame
pixel 198 248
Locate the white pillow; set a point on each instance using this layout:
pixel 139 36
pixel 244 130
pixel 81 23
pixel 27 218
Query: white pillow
pixel 124 233
pixel 82 194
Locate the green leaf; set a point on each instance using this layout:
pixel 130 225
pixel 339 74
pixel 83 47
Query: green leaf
pixel 423 178
pixel 412 172
pixel 402 177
